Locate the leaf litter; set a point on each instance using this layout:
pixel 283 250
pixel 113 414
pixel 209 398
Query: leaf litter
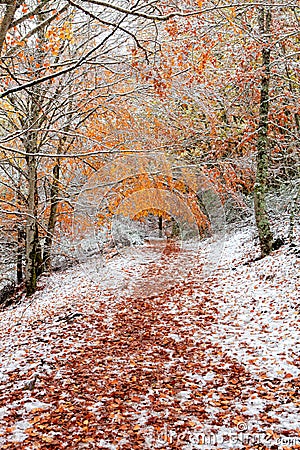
pixel 147 354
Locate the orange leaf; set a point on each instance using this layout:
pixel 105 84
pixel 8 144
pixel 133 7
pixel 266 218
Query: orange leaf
pixel 47 439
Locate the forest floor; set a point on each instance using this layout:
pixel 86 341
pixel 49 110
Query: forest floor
pixel 157 347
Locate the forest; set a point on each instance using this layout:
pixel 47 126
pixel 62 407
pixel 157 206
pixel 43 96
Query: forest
pixel 149 161
pixel 210 88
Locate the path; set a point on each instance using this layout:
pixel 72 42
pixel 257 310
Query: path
pixel 161 360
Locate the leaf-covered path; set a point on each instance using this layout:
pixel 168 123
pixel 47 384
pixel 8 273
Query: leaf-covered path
pixel 150 355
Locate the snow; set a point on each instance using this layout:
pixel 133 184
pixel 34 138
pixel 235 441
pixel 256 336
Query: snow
pixel 19 432
pixel 153 337
pixel 34 404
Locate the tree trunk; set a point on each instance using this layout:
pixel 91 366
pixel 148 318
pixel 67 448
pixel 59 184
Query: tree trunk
pixel 20 241
pixel 52 217
pixel 20 236
pixel 263 152
pixel 32 238
pixel 34 264
pixel 54 202
pixel 160 227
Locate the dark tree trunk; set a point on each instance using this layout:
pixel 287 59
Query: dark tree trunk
pixel 263 151
pixel 160 226
pixel 52 217
pixel 32 237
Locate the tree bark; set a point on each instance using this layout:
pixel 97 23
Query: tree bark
pixel 263 151
pixel 32 237
pixel 34 263
pixel 160 226
pixel 20 241
pixel 52 216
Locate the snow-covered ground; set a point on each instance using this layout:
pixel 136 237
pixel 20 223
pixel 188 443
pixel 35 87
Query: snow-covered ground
pixel 158 347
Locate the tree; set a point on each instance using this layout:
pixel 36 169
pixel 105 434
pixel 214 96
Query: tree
pixel 41 123
pixel 228 90
pixel 48 112
pixel 263 151
pixel 84 80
